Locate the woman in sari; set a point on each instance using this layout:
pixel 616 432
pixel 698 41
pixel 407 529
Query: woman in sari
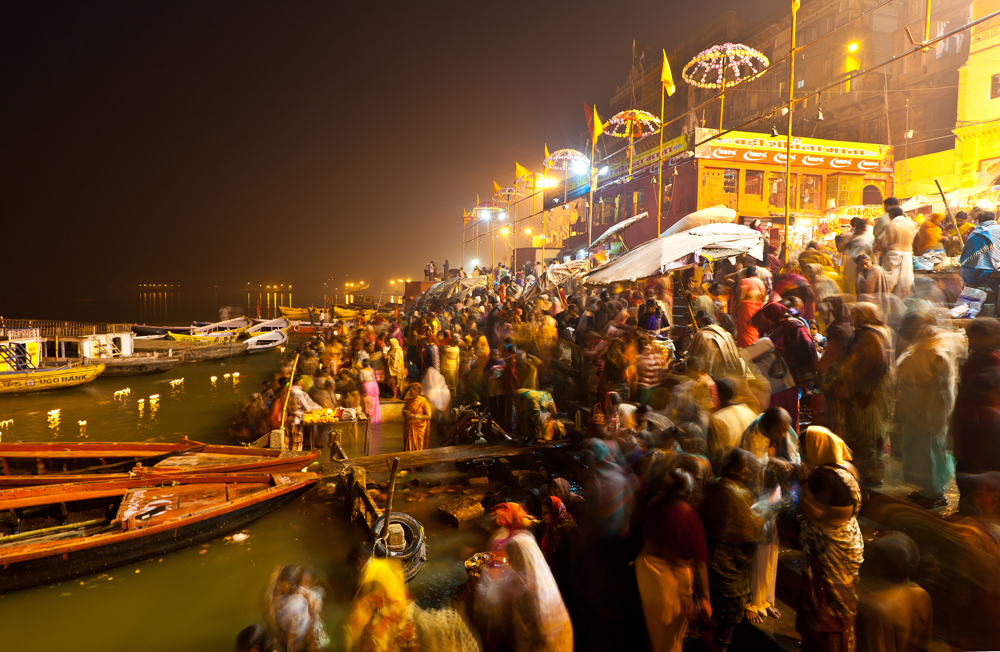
pixel 674 558
pixel 379 616
pixel 748 300
pixel 369 392
pixel 560 543
pixel 610 492
pixel 416 419
pixel 831 544
pixel 789 283
pixel 619 374
pixel 864 388
pixel 540 620
pixel 449 361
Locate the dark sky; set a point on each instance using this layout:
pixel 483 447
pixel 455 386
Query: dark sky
pixel 223 143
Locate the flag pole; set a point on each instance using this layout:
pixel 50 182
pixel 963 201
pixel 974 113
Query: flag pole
pixel 788 136
pixel 514 224
pixel 659 157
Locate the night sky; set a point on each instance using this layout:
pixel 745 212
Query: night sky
pixel 219 143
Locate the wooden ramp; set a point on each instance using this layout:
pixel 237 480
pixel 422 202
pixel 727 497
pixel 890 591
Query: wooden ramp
pixel 445 454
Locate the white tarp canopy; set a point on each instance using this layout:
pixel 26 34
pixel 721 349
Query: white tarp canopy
pixel 450 290
pixel 916 201
pixel 553 277
pixel 615 230
pixel 717 214
pixel 680 250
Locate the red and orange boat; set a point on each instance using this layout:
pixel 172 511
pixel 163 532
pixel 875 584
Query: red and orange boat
pixel 51 533
pixel 38 463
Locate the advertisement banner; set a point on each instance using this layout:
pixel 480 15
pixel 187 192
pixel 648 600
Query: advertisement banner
pixel 574 187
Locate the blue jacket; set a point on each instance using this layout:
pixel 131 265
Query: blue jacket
pixel 981 254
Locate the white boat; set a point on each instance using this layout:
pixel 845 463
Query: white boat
pixel 223 327
pixel 279 324
pixel 267 341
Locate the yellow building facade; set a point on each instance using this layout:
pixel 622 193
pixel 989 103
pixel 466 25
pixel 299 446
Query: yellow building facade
pixel 975 160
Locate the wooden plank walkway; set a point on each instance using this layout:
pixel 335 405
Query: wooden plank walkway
pixel 417 459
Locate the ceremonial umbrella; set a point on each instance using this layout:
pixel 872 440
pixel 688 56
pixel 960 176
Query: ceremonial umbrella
pixel 632 124
pixel 567 160
pixel 742 63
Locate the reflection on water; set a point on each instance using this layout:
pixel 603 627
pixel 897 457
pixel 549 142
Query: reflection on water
pixel 199 598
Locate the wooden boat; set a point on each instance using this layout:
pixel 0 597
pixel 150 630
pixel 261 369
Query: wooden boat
pixel 55 532
pixel 279 324
pixel 143 329
pixel 211 338
pixel 266 341
pixel 138 365
pixel 42 379
pixel 225 327
pixel 35 463
pixel 303 314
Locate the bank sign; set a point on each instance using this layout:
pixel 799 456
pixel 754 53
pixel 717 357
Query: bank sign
pixel 806 153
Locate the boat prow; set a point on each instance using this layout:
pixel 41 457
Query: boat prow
pixel 266 342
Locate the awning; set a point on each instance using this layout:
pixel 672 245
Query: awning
pixel 680 250
pixel 615 230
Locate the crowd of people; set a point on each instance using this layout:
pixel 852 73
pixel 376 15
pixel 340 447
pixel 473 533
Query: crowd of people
pixel 762 418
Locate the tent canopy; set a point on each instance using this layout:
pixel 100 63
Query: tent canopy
pixel 680 250
pixel 450 290
pixel 554 277
pixel 717 214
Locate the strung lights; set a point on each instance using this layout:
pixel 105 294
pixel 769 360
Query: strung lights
pixel 730 63
pixel 632 123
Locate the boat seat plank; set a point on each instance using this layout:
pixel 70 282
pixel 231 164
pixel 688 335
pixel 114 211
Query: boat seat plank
pixel 196 460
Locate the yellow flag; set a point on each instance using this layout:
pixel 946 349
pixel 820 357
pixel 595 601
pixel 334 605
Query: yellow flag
pixel 795 5
pixel 477 199
pixel 666 77
pixel 520 171
pixel 496 188
pixel 546 150
pixel 598 127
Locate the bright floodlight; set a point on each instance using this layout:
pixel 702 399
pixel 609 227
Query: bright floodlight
pixel 604 170
pixel 475 263
pixel 579 167
pixel 528 231
pixel 485 215
pixel 853 47
pixel 504 230
pixel 502 215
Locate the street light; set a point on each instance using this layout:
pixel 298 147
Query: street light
pixel 853 47
pixel 527 231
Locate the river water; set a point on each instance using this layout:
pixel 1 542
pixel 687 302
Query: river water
pixel 201 597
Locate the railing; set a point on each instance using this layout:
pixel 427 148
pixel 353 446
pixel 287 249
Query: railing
pixel 61 328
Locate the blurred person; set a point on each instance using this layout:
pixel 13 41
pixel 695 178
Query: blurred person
pixel 254 639
pixel 883 221
pixel 536 413
pixel 863 384
pixel 790 283
pixel 561 544
pixel 897 261
pixel 871 284
pixel 651 368
pixel 379 616
pixel 295 610
pixel 794 347
pixel 727 424
pixel 749 297
pixel 819 279
pixel 831 543
pixel 975 421
pixel 926 386
pixel 981 253
pixel 395 363
pixel 732 529
pixel 540 621
pixel 369 392
pixel 894 612
pixel 673 561
pixel 928 238
pixel 507 519
pixel 610 490
pixel 862 241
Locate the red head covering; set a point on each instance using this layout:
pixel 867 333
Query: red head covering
pixel 511 516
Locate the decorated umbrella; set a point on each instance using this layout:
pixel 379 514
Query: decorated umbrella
pixel 685 249
pixel 506 195
pixel 722 66
pixel 632 124
pixel 566 160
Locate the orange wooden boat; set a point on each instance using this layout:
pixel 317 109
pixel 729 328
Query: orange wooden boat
pixel 35 463
pixel 51 533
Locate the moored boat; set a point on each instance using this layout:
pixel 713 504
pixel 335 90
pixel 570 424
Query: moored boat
pixel 279 324
pixel 303 314
pixel 35 463
pixel 218 337
pixel 266 341
pixel 57 532
pixel 138 365
pixel 40 379
pixel 225 327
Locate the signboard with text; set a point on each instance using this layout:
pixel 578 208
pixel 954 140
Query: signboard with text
pixel 742 147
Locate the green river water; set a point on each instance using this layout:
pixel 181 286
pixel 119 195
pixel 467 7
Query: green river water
pixel 200 598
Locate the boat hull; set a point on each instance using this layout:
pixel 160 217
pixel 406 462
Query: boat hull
pixel 43 380
pixel 137 545
pixel 139 366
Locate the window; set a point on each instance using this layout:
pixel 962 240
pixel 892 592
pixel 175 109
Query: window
pixel 776 190
pixel 730 181
pixel 800 83
pixel 754 184
pixel 811 197
pixel 994 87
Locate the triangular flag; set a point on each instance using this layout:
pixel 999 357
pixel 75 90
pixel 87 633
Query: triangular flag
pixel 590 116
pixel 496 188
pixel 477 199
pixel 546 150
pixel 520 171
pixel 795 5
pixel 597 128
pixel 666 77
